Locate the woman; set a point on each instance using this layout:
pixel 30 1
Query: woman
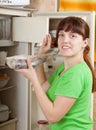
pixel 65 98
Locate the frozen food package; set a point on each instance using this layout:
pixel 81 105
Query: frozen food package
pixel 20 61
pixel 16 62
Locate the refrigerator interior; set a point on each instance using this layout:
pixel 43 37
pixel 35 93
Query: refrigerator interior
pixel 16 96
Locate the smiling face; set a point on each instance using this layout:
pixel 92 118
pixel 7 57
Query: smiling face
pixel 72 36
pixel 70 44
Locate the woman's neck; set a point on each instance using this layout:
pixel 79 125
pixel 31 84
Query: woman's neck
pixel 71 61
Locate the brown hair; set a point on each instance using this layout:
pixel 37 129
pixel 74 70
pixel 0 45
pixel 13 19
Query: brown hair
pixel 78 25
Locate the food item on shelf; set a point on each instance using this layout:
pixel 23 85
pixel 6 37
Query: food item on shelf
pixel 3 80
pixel 3 76
pixel 4 112
pixel 3 55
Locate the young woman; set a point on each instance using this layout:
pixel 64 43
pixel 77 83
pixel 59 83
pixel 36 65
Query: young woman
pixel 65 98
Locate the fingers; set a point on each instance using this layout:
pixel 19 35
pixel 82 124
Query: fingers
pixel 46 45
pixel 29 63
pixel 47 40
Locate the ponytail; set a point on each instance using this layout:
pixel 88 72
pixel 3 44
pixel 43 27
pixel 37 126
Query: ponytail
pixel 87 60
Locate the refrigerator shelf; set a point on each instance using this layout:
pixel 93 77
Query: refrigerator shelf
pixel 5 43
pixel 6 88
pixel 10 124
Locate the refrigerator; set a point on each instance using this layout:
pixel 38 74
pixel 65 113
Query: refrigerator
pixel 28 30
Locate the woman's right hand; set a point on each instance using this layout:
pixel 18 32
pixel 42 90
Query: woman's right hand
pixel 46 45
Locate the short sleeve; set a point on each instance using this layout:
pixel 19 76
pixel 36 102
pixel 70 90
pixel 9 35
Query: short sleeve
pixel 51 78
pixel 55 74
pixel 71 85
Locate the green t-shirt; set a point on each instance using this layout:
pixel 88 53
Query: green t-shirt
pixel 76 83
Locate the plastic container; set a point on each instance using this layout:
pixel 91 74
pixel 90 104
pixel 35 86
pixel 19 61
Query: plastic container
pixel 3 55
pixel 4 113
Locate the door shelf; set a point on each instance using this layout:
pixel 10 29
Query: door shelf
pixel 3 67
pixel 5 43
pixel 9 125
pixel 6 88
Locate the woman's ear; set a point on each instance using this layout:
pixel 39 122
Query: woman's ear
pixel 86 41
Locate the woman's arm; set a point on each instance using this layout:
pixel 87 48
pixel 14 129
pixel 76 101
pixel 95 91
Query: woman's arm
pixel 54 111
pixel 46 45
pixel 42 77
pixel 41 74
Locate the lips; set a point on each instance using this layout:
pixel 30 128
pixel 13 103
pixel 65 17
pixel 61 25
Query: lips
pixel 66 47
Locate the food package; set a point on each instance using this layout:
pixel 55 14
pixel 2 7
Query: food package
pixel 20 61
